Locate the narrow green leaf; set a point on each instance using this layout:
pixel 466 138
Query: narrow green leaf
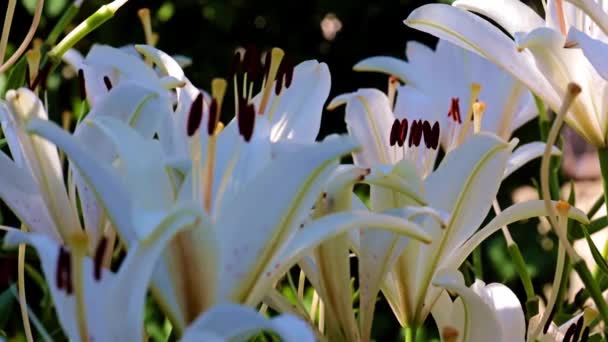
pixel 597 255
pixel 16 78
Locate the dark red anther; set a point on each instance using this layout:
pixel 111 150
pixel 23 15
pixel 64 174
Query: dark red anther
pixel 548 323
pixel 235 66
pixel 195 116
pixel 585 335
pixel 99 253
pixel 251 62
pixel 427 133
pixel 278 86
pixel 41 77
pixel 454 112
pixel 249 122
pixel 28 82
pixel 402 132
pixel 81 85
pixel 394 133
pixel 246 119
pixel 59 275
pixel 415 133
pixel 213 115
pixel 107 82
pixel 435 135
pixel 578 329
pixel 64 271
pixel 569 333
pixel 289 67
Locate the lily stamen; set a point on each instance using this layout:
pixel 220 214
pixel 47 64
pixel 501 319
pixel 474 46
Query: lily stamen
pixel 275 61
pixel 453 126
pixel 474 94
pixel 393 83
pixel 478 110
pixel 107 82
pixel 218 90
pixel 79 243
pixel 450 334
pixel 98 260
pixel 146 23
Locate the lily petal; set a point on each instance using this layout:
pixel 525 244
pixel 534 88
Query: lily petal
pixel 463 29
pixel 127 288
pixel 273 221
pixel 38 156
pixel 512 15
pixel 235 322
pixel 595 50
pixel 105 183
pixel 388 65
pixel 369 119
pixel 492 312
pixel 525 153
pixel 514 213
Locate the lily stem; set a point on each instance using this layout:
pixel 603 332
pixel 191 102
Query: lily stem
pixel 592 287
pixel 522 270
pixel 603 157
pixel 410 333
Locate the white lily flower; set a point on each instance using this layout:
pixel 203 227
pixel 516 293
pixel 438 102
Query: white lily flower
pixel 92 303
pixel 440 82
pixel 537 57
pixel 404 268
pixel 480 313
pixel 106 293
pixel 249 243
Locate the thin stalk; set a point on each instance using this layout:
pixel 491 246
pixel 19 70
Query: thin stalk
pixel 103 14
pixel 63 22
pixel 28 38
pixel 410 334
pixel 6 29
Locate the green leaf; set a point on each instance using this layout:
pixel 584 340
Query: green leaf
pixel 7 303
pixel 594 226
pixel 16 78
pixel 597 256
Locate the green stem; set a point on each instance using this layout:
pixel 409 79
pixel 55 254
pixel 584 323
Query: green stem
pixel 63 22
pixel 103 14
pixel 602 153
pixel 596 206
pixel 477 265
pixel 522 270
pixel 593 288
pixel 544 124
pixel 410 334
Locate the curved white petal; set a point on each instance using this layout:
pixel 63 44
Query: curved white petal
pixel 388 65
pixel 512 15
pixel 107 186
pixel 369 119
pixel 236 322
pixel 514 213
pixel 473 33
pixel 595 50
pixel 480 322
pixel 298 113
pixel 271 222
pixel 525 153
pixel 123 292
